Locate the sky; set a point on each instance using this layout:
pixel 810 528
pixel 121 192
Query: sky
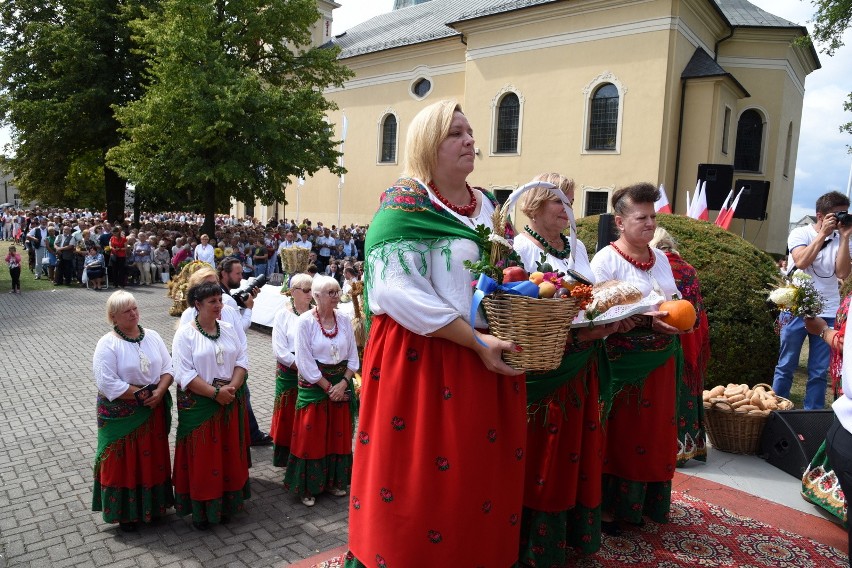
pixel 823 163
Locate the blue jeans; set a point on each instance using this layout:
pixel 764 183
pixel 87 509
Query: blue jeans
pixel 793 336
pixel 259 268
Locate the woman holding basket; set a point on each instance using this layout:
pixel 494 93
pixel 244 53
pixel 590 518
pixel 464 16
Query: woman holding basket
pixel 562 486
pixel 442 426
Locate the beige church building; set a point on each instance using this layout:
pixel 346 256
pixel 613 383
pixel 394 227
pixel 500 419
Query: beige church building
pixel 608 92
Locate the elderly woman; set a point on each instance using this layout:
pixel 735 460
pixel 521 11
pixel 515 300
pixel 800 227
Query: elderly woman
pixel 143 254
pixel 212 454
pixel 562 488
pixel 645 367
pixel 327 359
pixel 442 425
pixel 205 251
pixel 162 258
pixel 93 264
pixel 118 257
pixel 133 372
pixel 691 433
pixel 286 378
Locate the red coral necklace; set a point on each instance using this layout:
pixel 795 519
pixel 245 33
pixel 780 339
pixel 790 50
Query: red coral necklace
pixel 464 210
pixel 644 266
pixel 328 334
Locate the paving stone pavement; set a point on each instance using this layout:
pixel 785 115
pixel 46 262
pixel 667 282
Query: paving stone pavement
pixel 48 435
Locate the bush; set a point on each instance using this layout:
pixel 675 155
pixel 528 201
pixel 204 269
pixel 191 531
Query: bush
pixel 743 343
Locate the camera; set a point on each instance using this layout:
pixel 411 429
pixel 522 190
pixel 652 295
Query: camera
pixel 844 219
pixel 241 294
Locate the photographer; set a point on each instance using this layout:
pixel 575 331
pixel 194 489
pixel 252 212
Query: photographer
pixel 230 273
pixel 822 251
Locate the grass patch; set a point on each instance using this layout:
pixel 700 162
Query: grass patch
pixel 28 281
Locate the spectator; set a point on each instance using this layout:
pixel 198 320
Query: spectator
pixel 36 238
pixel 65 247
pixel 118 257
pixel 142 257
pixel 95 268
pixel 13 260
pixel 204 252
pixel 162 261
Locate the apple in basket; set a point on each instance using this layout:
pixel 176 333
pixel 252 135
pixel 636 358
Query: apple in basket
pixel 514 274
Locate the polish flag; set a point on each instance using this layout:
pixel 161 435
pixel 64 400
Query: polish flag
pixel 729 214
pixel 699 210
pixel 662 204
pixel 691 204
pixel 721 216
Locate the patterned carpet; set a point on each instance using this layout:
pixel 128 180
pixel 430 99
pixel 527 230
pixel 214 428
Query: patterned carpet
pixel 703 534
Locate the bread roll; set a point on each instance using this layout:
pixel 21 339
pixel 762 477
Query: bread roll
pixel 612 293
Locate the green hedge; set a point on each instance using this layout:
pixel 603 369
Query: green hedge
pixel 744 346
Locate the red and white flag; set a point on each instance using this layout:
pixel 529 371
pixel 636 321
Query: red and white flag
pixel 699 210
pixel 662 204
pixel 729 214
pixel 724 209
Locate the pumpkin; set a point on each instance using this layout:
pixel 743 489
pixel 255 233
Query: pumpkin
pixel 681 314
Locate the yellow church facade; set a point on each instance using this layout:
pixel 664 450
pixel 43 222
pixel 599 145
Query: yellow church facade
pixel 608 92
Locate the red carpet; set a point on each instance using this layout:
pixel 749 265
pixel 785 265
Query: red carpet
pixel 700 534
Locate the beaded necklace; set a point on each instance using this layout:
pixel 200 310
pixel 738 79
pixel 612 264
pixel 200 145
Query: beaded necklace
pixel 644 266
pixel 220 355
pixel 463 210
pixel 144 362
pixel 335 352
pixel 560 254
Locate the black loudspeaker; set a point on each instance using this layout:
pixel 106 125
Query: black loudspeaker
pixel 792 437
pixel 719 179
pixel 753 202
pixel 606 230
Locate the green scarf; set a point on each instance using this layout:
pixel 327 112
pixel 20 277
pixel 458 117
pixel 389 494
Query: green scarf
pixel 194 410
pixel 119 418
pixel 406 214
pixel 541 384
pixel 333 373
pixel 286 379
pixel 633 356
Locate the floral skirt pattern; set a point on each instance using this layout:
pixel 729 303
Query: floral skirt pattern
pixel 439 458
pixel 641 448
pixel 211 463
pixel 133 479
pixel 821 487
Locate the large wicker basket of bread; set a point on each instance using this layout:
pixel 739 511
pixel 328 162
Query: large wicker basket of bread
pixel 735 415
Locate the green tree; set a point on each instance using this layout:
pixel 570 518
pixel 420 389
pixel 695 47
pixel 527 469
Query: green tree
pixel 831 20
pixel 64 66
pixel 235 105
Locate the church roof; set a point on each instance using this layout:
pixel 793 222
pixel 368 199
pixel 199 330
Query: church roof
pixel 430 21
pixel 702 65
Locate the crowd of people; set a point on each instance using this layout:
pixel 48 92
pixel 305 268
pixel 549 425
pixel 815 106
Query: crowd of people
pixel 462 458
pixel 81 247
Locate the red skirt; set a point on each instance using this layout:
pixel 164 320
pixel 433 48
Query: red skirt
pixel 133 481
pixel 641 432
pixel 211 474
pixel 565 447
pixel 283 414
pixel 439 464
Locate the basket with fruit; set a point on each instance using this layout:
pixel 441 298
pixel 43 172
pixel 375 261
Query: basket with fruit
pixel 532 310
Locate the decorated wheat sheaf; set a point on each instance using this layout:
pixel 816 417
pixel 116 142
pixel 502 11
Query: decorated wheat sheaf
pixel 178 285
pixel 539 325
pixel 294 259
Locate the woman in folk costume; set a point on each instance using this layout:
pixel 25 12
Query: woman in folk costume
pixel 133 372
pixel 212 453
pixel 327 358
pixel 646 363
pixel 562 486
pixel 439 459
pixel 287 375
pixel 691 432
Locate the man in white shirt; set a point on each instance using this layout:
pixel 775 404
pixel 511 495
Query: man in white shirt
pixel 823 252
pixel 37 237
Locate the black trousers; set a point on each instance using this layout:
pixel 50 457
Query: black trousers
pixel 839 445
pixel 65 271
pixel 15 273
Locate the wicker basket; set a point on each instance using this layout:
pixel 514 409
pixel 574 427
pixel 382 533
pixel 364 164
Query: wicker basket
pixel 539 325
pixel 735 432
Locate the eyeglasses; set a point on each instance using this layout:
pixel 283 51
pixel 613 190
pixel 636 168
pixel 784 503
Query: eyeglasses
pixel 333 293
pixel 305 290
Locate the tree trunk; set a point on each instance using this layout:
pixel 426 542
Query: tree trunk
pixel 209 226
pixel 115 187
pixel 137 205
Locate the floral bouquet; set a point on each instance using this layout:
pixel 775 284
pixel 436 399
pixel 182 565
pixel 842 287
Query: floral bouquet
pixel 796 296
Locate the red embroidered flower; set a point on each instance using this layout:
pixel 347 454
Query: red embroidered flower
pixel 540 482
pixel 486 507
pixel 537 550
pixel 442 463
pixel 363 437
pixel 574 457
pixel 434 537
pixel 552 428
pixel 492 435
pixel 411 355
pixel 542 529
pixel 398 423
pixel 386 495
pixel 374 373
pixel 380 562
pixel 447 393
pixel 519 454
pixel 682 422
pixel 356 503
pixel 640 450
pixel 591 425
pixel 513 519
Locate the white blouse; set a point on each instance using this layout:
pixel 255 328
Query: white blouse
pixel 313 346
pixel 116 363
pixel 609 265
pixel 427 297
pixel 205 253
pixel 530 254
pixel 195 355
pixel 229 314
pixel 284 335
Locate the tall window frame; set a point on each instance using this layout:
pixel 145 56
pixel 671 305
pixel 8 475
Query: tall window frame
pixel 751 138
pixel 507 119
pixel 603 118
pixel 388 138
